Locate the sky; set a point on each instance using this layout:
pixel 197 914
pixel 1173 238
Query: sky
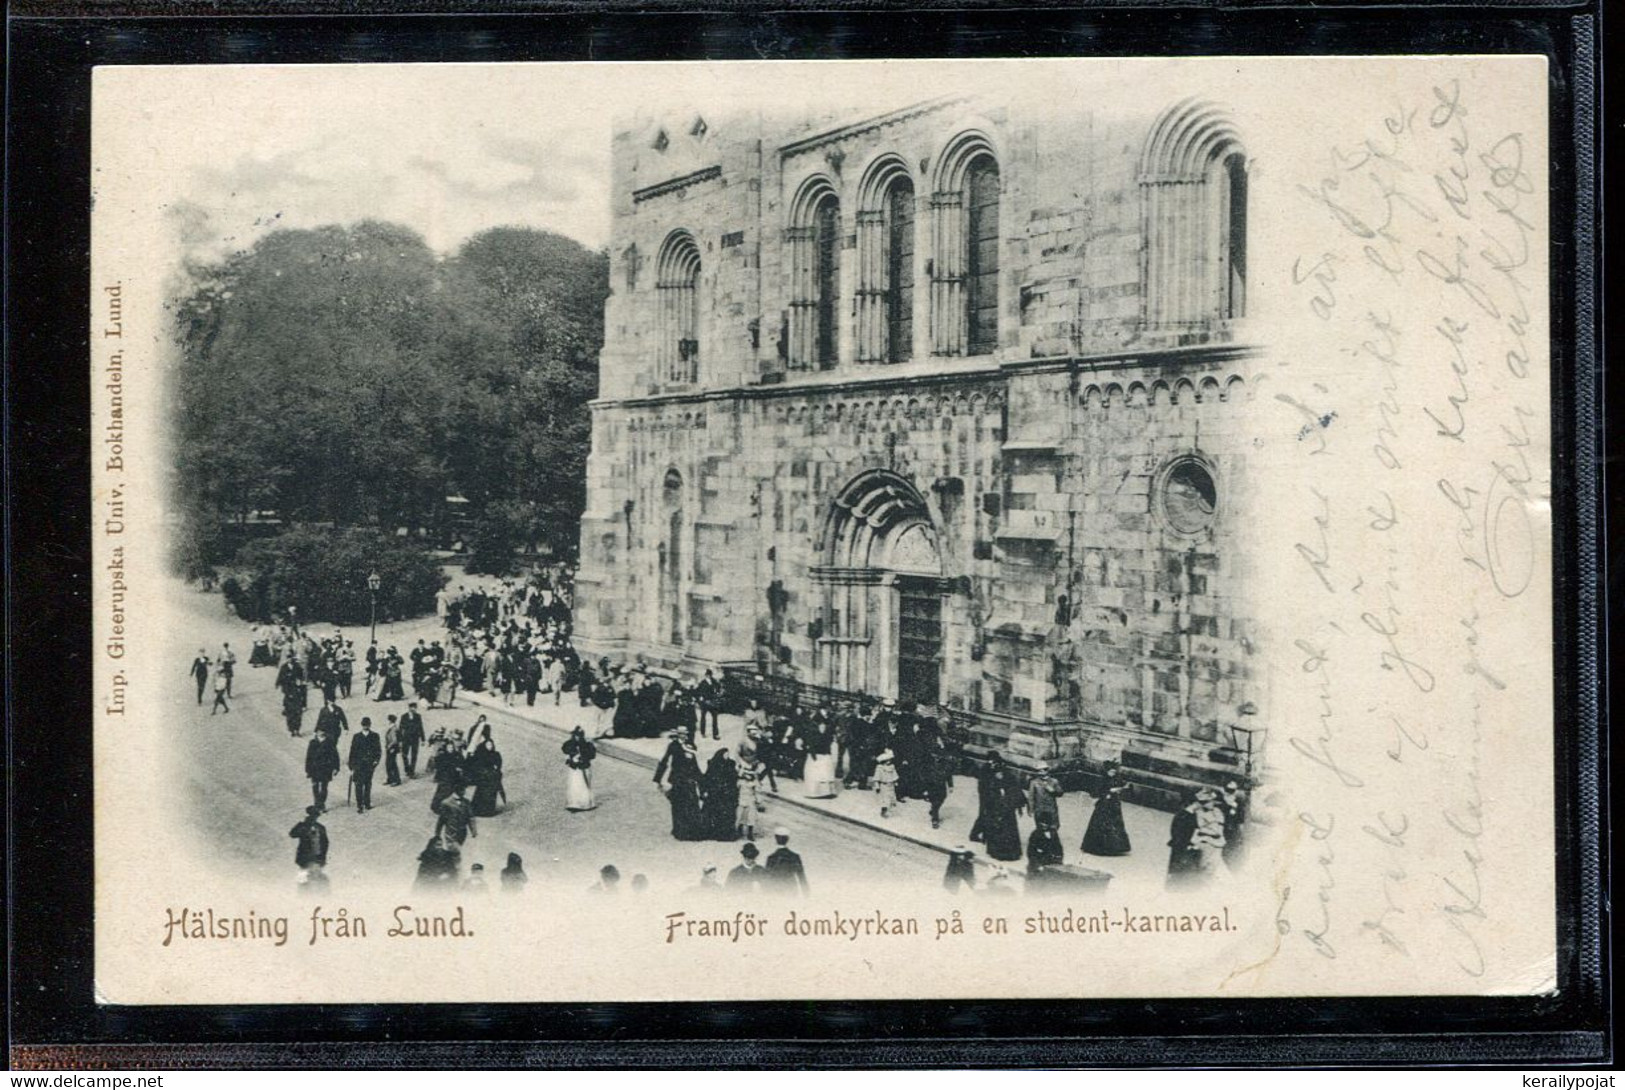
pixel 248 150
pixel 231 152
pixel 224 154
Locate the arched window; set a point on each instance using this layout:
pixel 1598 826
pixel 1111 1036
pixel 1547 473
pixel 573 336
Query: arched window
pixel 827 224
pixel 982 255
pixel 814 238
pixel 965 245
pixel 900 271
pixel 1193 184
pixel 885 293
pixel 678 291
pixel 1233 237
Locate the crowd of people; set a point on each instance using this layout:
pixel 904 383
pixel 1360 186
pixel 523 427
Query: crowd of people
pixel 513 640
pixel 898 752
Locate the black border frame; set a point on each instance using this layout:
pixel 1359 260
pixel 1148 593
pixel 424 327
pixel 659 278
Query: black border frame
pixel 53 1019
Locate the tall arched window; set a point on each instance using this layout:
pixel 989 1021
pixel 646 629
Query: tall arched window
pixel 965 249
pixel 1233 235
pixel 885 291
pixel 1193 184
pixel 678 292
pixel 982 255
pixel 900 271
pixel 814 238
pixel 827 224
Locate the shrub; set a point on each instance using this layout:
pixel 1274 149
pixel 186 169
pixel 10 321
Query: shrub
pixel 323 573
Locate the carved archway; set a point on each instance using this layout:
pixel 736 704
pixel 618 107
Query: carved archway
pixel 884 590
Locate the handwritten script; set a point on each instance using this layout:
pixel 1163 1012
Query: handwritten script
pixel 1421 535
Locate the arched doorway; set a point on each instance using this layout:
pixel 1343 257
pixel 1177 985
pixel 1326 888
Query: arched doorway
pixel 885 592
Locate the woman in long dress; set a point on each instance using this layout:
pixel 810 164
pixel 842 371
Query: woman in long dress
pixel 1106 834
pixel 261 655
pixel 721 787
pixel 678 775
pixel 579 754
pixel 1001 828
pixel 484 769
pixel 818 777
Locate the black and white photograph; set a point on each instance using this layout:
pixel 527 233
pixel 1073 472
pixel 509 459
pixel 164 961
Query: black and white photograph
pixel 792 530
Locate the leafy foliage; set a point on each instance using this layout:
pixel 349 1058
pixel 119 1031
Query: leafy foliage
pixel 350 376
pixel 322 573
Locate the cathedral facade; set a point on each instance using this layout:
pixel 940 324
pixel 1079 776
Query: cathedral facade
pixel 946 404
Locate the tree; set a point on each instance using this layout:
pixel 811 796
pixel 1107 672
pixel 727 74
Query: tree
pixel 310 372
pixel 530 399
pixel 348 376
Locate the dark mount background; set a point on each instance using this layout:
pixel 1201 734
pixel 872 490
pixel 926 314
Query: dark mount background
pixel 50 849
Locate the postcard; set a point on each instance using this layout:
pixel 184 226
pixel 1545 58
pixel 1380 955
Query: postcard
pixel 931 529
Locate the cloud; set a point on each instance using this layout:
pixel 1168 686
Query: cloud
pixel 446 184
pixel 255 174
pixel 513 170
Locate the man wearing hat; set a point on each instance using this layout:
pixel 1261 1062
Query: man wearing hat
pixel 411 737
pixel 332 720
pixel 784 872
pixel 312 837
pixel 1042 796
pixel 708 698
pixel 366 751
pixel 747 877
pixel 321 765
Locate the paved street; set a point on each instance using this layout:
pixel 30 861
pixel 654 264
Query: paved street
pixel 241 782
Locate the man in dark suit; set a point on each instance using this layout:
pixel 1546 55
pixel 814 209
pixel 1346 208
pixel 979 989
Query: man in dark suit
pixel 290 675
pixel 321 765
pixel 312 837
pixel 332 719
pixel 411 737
pixel 366 750
pixel 784 872
pixel 200 674
pixel 708 698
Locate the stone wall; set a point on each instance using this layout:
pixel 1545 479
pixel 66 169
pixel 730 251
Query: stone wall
pixel 1072 500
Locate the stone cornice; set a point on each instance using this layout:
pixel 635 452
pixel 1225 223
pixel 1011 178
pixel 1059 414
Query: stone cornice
pixel 858 128
pixel 1191 357
pixel 674 185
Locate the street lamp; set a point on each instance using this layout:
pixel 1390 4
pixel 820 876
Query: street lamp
pixel 373 583
pixel 1248 739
